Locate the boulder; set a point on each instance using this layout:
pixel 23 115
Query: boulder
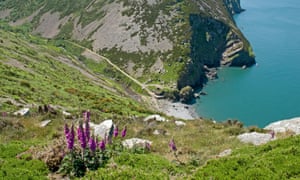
pixel 102 128
pixel 155 117
pixel 255 138
pixel 224 153
pixel 45 123
pixel 130 143
pixel 65 113
pixel 285 125
pixel 180 123
pixel 22 112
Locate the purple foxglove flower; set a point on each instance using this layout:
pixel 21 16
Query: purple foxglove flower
pixel 116 131
pixel 66 129
pixel 172 145
pixel 87 130
pixel 70 138
pixel 81 136
pixel 102 145
pixel 124 131
pixel 92 144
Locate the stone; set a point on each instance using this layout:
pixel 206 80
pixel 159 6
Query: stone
pixel 155 117
pixel 22 112
pixel 102 128
pixel 130 143
pixel 255 138
pixel 284 126
pixel 156 132
pixel 180 123
pixel 45 123
pixel 65 113
pixel 224 153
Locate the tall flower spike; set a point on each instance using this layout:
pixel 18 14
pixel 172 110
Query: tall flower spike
pixel 102 145
pixel 70 139
pixel 92 144
pixel 172 145
pixel 81 136
pixel 116 131
pixel 86 117
pixel 124 131
pixel 66 129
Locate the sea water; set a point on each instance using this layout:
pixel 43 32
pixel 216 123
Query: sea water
pixel 269 91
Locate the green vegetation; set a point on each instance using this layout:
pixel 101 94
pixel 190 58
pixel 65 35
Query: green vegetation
pixel 275 160
pixel 48 72
pixel 23 167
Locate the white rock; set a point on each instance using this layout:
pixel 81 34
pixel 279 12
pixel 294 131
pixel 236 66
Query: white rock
pixel 155 117
pixel 102 128
pixel 226 152
pixel 180 123
pixel 285 125
pixel 22 112
pixel 255 138
pixel 66 113
pixel 45 123
pixel 156 132
pixel 130 143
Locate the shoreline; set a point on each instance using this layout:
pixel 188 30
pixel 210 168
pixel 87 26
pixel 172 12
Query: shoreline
pixel 177 110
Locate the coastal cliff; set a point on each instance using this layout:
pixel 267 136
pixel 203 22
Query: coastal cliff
pixel 167 44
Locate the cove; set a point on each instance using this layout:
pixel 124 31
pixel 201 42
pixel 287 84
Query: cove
pixel 269 91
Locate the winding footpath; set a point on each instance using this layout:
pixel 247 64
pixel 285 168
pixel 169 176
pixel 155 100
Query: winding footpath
pixel 153 96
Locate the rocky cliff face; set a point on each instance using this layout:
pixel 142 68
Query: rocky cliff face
pixel 180 36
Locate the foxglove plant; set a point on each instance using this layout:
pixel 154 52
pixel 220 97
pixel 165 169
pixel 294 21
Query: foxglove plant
pixel 116 131
pixel 124 131
pixel 86 117
pixel 71 137
pixel 92 144
pixel 172 145
pixel 102 145
pixel 81 136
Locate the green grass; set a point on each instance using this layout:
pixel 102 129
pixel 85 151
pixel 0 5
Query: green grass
pixel 275 160
pixel 12 167
pixel 45 79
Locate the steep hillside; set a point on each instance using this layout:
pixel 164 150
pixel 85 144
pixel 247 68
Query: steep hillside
pixel 159 42
pixel 35 71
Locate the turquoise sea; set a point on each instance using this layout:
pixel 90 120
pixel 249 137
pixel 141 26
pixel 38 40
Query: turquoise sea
pixel 269 91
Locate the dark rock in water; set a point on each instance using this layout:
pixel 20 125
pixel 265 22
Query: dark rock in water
pixel 203 93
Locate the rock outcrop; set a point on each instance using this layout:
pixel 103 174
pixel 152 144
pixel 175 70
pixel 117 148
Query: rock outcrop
pixel 283 126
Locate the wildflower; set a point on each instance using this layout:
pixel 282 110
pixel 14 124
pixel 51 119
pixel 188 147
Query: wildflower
pixel 116 131
pixel 81 136
pixel 172 145
pixel 92 144
pixel 71 136
pixel 66 129
pixel 102 145
pixel 124 131
pixel 86 118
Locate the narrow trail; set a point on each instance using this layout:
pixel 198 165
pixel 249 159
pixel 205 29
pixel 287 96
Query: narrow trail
pixel 153 96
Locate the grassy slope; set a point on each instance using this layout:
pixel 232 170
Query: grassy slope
pixel 275 160
pixel 33 72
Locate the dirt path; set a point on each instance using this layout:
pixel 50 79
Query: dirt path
pixel 153 96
